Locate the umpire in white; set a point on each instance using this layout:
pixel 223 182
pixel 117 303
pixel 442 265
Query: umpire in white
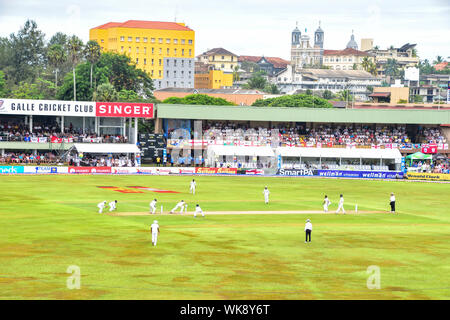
pixel 392 202
pixel 308 230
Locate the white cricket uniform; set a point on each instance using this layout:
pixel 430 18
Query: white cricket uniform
pixel 179 205
pixel 112 206
pixel 101 206
pixel 198 210
pixel 308 226
pixel 341 205
pixel 153 207
pixel 326 203
pixel 266 193
pixel 154 227
pixel 193 185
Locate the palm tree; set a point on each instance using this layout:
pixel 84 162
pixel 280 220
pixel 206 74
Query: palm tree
pixel 56 57
pixel 92 54
pixel 74 50
pixel 438 60
pixel 236 76
pixel 369 66
pixel 105 92
pixel 392 68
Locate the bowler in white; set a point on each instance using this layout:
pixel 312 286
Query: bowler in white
pixel 266 193
pixel 326 203
pixel 155 232
pixel 341 204
pixel 153 206
pixel 112 205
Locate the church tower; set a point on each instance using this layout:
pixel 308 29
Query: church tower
pixel 318 37
pixel 352 43
pixel 296 34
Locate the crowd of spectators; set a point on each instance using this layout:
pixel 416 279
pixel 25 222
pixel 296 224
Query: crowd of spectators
pixel 437 166
pixel 51 132
pixel 90 160
pixel 432 135
pixel 27 158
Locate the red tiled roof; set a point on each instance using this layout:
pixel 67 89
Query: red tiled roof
pixel 440 66
pixel 277 62
pixel 380 94
pixel 145 25
pixel 345 52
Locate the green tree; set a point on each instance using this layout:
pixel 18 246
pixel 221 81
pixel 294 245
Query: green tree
pixel 2 85
pixel 56 57
pixel 438 60
pixel 105 92
pixel 257 81
pixel 58 38
pixel 249 66
pixel 392 68
pixel 40 90
pixel 327 94
pixel 92 54
pixel 198 99
pixel 271 88
pixel 294 101
pixel 369 66
pixel 74 51
pixel 236 76
pixel 344 95
pixel 28 51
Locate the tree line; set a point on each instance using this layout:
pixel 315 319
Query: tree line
pixel 65 68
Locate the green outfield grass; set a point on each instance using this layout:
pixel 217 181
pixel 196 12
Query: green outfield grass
pixel 48 223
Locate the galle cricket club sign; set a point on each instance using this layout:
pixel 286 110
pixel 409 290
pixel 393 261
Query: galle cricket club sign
pixel 76 108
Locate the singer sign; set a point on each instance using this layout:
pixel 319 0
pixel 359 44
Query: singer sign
pixel 124 109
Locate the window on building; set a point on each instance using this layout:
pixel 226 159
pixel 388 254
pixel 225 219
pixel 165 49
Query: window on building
pixel 129 49
pixel 174 51
pixel 152 73
pixel 168 62
pixel 182 73
pixel 121 49
pixel 160 50
pixel 222 65
pixel 175 41
pixel 160 61
pixel 183 41
pixel 174 73
pixel 137 49
pixel 153 40
pixel 160 40
pixel 167 82
pixel 145 50
pixel 167 73
pixel 145 39
pixel 122 38
pixel 167 40
pixel 159 72
pixel 189 63
pixel 190 52
pixel 168 51
pixel 189 41
pixel 153 50
pixel 138 39
pixel 182 52
pixel 130 39
pixel 182 63
pixel 223 57
pixel 101 41
pixel 153 60
pixel 174 63
pixel 159 82
pixel 137 60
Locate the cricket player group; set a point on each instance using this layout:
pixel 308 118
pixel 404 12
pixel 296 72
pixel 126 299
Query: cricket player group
pixel 183 208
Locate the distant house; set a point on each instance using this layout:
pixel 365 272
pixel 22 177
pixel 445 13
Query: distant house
pixel 271 65
pixel 219 59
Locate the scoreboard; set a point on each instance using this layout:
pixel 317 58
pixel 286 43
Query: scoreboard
pixel 152 145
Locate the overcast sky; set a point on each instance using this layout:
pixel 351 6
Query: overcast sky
pixel 251 27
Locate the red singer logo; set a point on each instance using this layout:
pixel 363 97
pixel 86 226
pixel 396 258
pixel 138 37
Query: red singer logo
pixel 124 109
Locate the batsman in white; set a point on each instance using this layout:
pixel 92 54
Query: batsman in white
pixel 326 203
pixel 181 205
pixel 155 232
pixel 101 206
pixel 266 193
pixel 153 206
pixel 112 205
pixel 341 205
pixel 198 210
pixel 193 185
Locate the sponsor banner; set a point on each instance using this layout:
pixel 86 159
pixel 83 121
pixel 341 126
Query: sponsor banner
pixel 429 148
pixel 47 107
pixel 124 109
pixel 360 174
pixel 427 176
pixel 44 169
pixel 89 169
pixel 216 170
pixel 11 169
pixel 123 170
pixel 255 171
pixel 297 172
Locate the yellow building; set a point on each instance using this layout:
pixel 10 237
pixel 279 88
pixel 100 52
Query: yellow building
pixel 390 94
pixel 345 59
pixel 165 50
pixel 220 59
pixel 214 79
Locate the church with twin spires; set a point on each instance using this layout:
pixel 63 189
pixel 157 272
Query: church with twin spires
pixel 303 53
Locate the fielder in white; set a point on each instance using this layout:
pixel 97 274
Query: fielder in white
pixel 112 205
pixel 153 206
pixel 341 205
pixel 326 203
pixel 101 206
pixel 198 210
pixel 266 193
pixel 193 186
pixel 155 232
pixel 181 205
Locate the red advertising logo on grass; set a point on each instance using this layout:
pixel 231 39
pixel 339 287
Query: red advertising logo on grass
pixel 124 109
pixel 153 189
pixel 122 190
